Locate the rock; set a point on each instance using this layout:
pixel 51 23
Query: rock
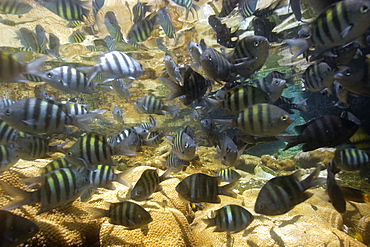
pixel 315 157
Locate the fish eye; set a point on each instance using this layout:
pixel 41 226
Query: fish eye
pixel 69 153
pixel 60 81
pixel 256 43
pixel 49 74
pixel 364 9
pixel 186 145
pixel 348 72
pixel 209 57
pixel 8 112
pixel 284 117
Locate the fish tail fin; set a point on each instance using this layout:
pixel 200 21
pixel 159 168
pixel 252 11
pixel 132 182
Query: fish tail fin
pixel 209 222
pixel 20 196
pixel 123 148
pixel 312 179
pixel 367 197
pixel 34 66
pixel 79 120
pixel 97 212
pixel 226 189
pixel 176 89
pixel 172 109
pixel 292 141
pixel 120 179
pixel 301 44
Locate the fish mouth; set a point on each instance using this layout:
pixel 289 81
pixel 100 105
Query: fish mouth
pixel 337 76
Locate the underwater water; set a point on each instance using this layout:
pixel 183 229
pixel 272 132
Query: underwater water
pixel 149 188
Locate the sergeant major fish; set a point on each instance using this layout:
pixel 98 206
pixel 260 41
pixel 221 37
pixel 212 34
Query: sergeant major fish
pixel 147 184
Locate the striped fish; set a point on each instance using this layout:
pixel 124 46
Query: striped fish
pixel 141 30
pixel 270 85
pixel 124 213
pixel 247 7
pixel 262 120
pixel 33 147
pixel 28 40
pixel 77 37
pixel 200 187
pixel 103 176
pixel 184 146
pixel 210 131
pixel 54 44
pixel 335 193
pixel 113 27
pixel 7 157
pixel 147 184
pixel 325 131
pixel 129 136
pixel 228 175
pixel 41 38
pixel 229 151
pixel 121 87
pixel 139 10
pixel 109 42
pixel 7 133
pixel 90 150
pixel 58 188
pixel 57 164
pixel 14 7
pixel 165 21
pixel 96 6
pixel 15 230
pixel 67 9
pixel 11 69
pixel 351 159
pixel 230 218
pixel 318 76
pixel 227 7
pixel 152 105
pixel 175 164
pixel 114 65
pixel 68 79
pixel 280 194
pixel 339 24
pixel 38 116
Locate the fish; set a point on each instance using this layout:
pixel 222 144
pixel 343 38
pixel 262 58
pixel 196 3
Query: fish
pixel 77 37
pixel 339 55
pixel 103 176
pixel 141 30
pixel 15 229
pixel 282 193
pixel 164 19
pixel 11 69
pixel 325 131
pixel 339 24
pixel 113 27
pixel 29 40
pixel 7 133
pixel 33 147
pixel 360 139
pixel 224 36
pixel 57 164
pixel 147 184
pixel 210 131
pixel 58 188
pixel 200 187
pixel 263 27
pixel 216 66
pixel 193 89
pixel 333 190
pixel 247 7
pixel 270 85
pixel 183 145
pixel 287 104
pixel 175 164
pixel 260 120
pixel 73 108
pixel 152 105
pixel 195 50
pixel 109 42
pixel 253 51
pixel 54 44
pixel 172 69
pixel 351 159
pixel 355 76
pixel 227 7
pixel 8 157
pixel 126 213
pixel 318 76
pixel 14 7
pixel 93 149
pixel 354 195
pixel 42 116
pixel 139 11
pixel 228 175
pixel 70 10
pixel 118 114
pixel 41 38
pixel 296 8
pixel 114 65
pixel 68 79
pixel 131 139
pixel 229 151
pixel 87 194
pixel 97 5
pixel 230 218
pixel 121 87
pixel 321 5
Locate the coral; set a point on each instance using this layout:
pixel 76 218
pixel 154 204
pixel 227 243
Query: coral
pixel 278 165
pixel 314 157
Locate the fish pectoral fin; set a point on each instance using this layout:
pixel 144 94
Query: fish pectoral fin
pixel 346 31
pixel 31 122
